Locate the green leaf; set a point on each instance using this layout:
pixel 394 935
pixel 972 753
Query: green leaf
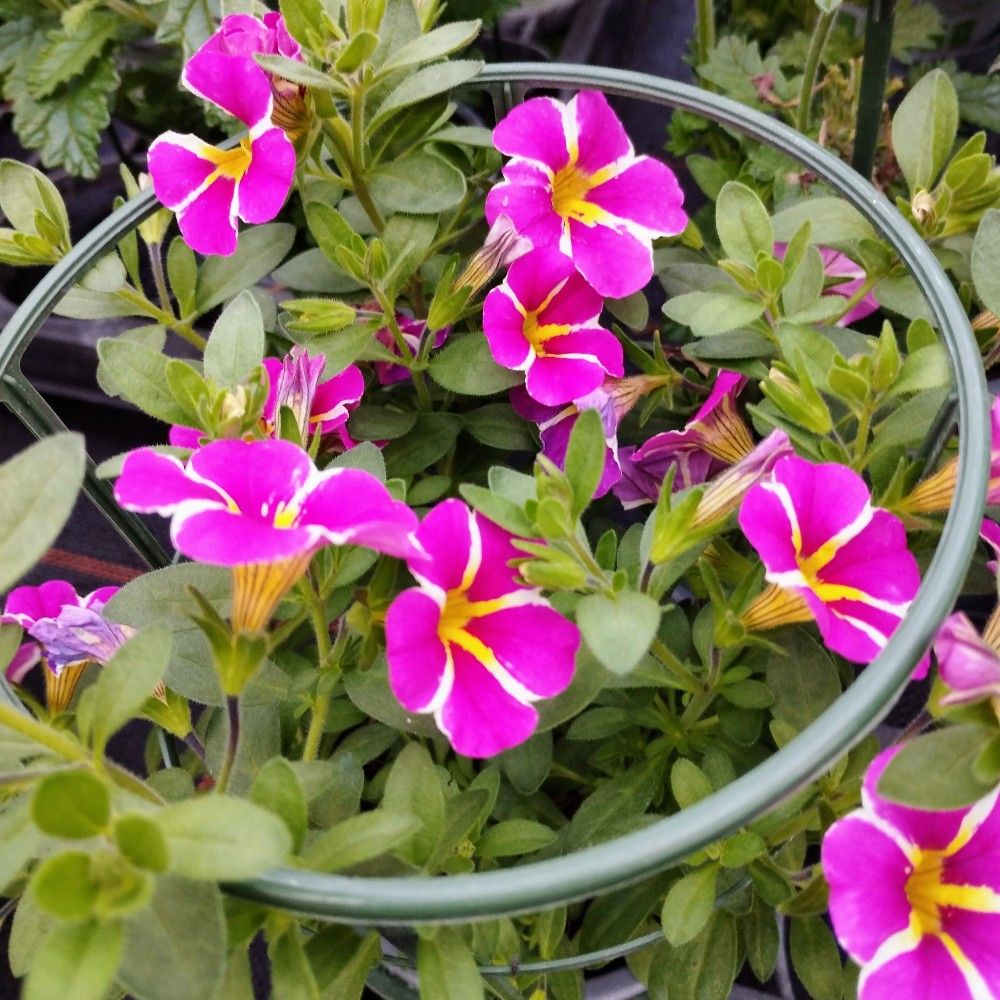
pixel 24 190
pixel 527 765
pixel 38 488
pixel 332 230
pixel 446 967
pixel 498 426
pixel 502 511
pixel 125 683
pixel 187 23
pixel 21 839
pixel 303 17
pixel 709 313
pixel 466 366
pixel 688 783
pixel 73 804
pixel 760 938
pixel 514 837
pixel 222 839
pixel 343 347
pixel 63 886
pixel 359 838
pixel 804 682
pixel 278 789
pixel 435 44
pixel 618 629
pixel 815 957
pixel 296 72
pixel 743 224
pixel 689 905
pixel 414 789
pixel 985 255
pixel 175 949
pixel 66 127
pixel 924 128
pixel 80 962
pixel 140 840
pixel 420 183
pixel 936 770
pixel 833 221
pixel 424 83
pixel 585 459
pixel 341 958
pixel 139 373
pixel 703 969
pixel 236 344
pixel 68 53
pixel 432 437
pixel 261 249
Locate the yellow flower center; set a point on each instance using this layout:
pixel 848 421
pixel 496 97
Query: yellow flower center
pixel 284 517
pixel 924 891
pixel 231 163
pixel 570 187
pixel 538 333
pixel 456 614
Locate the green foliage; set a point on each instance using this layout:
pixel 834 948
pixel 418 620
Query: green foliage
pixel 81 960
pixel 71 804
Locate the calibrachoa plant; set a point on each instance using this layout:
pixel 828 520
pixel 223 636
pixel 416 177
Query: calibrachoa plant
pixel 476 562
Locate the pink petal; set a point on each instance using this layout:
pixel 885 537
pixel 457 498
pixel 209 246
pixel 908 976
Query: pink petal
pixel 534 277
pixel 479 717
pixel 645 193
pixel 238 35
pixel 25 605
pixel 495 577
pixel 575 304
pixel 527 201
pixel 552 379
pixel 235 84
pixel 254 474
pixel 279 41
pixel 837 624
pixel 602 138
pixel 865 910
pixel 515 635
pixel 272 366
pixel 977 862
pixel 208 224
pixel 416 656
pixel 178 166
pixel 350 505
pixel 615 263
pixel 976 935
pixel 336 397
pixel 262 190
pixel 927 972
pixel 445 535
pixel 151 483
pixel 185 437
pixel 96 599
pixel 27 655
pixel 763 519
pixel 503 327
pixel 600 345
pixel 535 131
pixel 222 538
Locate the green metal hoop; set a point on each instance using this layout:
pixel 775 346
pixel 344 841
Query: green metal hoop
pixel 595 870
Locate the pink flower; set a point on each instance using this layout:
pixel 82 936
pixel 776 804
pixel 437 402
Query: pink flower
pixel 210 188
pixel 989 532
pixel 838 265
pixel 543 320
pixel 967 664
pixel 241 36
pixel 819 536
pixel 388 373
pixel 574 183
pixel 321 407
pixel 247 502
pixel 470 644
pixel 713 438
pixel 915 895
pixel 68 632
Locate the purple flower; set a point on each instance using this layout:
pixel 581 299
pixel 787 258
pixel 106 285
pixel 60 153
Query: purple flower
pixel 389 373
pixel 68 633
pixel 210 188
pixel 967 664
pixel 263 508
pixel 915 895
pixel 713 438
pixel 818 535
pixel 464 644
pixel 989 532
pixel 544 320
pixel 839 265
pixel 575 184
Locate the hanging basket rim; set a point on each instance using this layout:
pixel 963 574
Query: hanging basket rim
pixel 627 859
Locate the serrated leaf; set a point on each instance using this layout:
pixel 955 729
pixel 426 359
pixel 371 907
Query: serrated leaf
pixel 188 23
pixel 68 54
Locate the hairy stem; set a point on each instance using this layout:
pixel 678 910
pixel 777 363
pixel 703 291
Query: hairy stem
pixel 232 742
pixel 155 251
pixel 820 34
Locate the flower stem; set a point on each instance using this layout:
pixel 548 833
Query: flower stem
pixel 661 651
pixel 704 30
pixel 66 747
pixel 819 36
pixel 328 657
pixel 159 277
pixel 196 746
pixel 232 741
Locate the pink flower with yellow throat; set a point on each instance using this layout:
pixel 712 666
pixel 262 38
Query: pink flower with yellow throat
pixel 208 188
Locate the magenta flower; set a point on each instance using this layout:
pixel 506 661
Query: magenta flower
pixel 819 536
pixel 968 664
pixel 210 188
pixel 713 438
pixel 575 184
pixel 465 644
pixel 413 330
pixel 851 278
pixel 544 320
pixel 989 532
pixel 243 502
pixel 915 895
pixel 68 632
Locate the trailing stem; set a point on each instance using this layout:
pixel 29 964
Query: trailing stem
pixel 232 741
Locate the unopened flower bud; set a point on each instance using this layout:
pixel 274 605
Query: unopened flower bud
pixel 923 206
pixel 503 245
